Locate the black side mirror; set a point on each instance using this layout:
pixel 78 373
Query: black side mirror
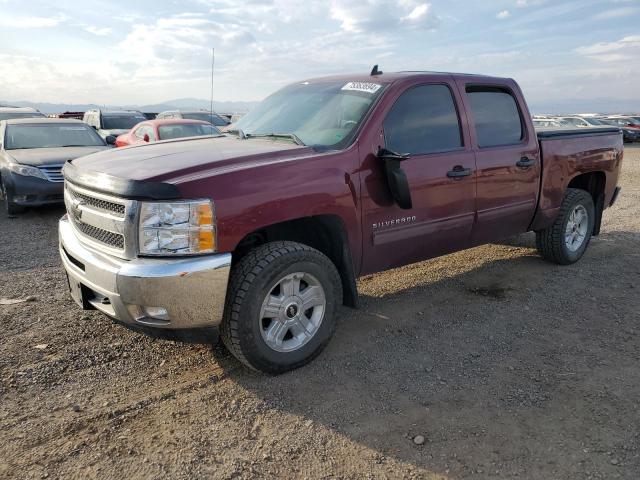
pixel 111 139
pixel 396 178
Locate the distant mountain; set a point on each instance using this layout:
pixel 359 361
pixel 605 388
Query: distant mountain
pixel 595 105
pixel 181 103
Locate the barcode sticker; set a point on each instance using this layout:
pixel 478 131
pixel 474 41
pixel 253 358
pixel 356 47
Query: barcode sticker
pixel 366 87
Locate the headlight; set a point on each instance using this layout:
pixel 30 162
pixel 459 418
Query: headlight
pixel 180 228
pixel 27 171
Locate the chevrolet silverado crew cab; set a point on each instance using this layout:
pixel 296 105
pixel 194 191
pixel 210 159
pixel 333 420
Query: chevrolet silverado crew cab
pixel 262 232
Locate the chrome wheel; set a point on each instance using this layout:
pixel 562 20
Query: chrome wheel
pixel 577 228
pixel 292 312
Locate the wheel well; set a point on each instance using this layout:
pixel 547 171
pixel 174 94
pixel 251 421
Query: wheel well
pixel 325 233
pixel 594 183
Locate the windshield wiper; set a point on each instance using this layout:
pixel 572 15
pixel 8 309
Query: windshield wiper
pixel 291 136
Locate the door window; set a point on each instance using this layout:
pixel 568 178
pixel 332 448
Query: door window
pixel 423 120
pixel 496 116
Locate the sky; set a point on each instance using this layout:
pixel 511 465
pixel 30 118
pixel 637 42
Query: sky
pixel 139 52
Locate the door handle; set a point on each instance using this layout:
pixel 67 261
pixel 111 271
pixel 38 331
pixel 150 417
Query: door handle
pixel 458 172
pixel 525 162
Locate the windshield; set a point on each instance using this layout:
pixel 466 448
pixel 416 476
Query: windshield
pixel 50 136
pixel 320 114
pixel 206 117
pixel 121 122
pixel 167 132
pixel 593 121
pixel 10 115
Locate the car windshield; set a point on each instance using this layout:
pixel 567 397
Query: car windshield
pixel 206 117
pixel 121 122
pixel 167 132
pixel 50 136
pixel 10 115
pixel 592 121
pixel 324 114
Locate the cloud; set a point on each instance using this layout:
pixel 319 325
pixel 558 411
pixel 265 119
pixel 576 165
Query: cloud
pixel 382 15
pixel 625 49
pixel 98 31
pixel 616 13
pixel 7 21
pixel 503 14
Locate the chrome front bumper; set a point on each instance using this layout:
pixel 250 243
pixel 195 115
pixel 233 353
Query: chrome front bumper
pixel 191 290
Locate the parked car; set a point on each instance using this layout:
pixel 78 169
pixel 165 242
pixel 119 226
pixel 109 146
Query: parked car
pixel 576 121
pixel 206 116
pixel 623 122
pixel 7 113
pixel 630 134
pixel 155 130
pixel 32 153
pixel 547 122
pixel 262 232
pixel 111 123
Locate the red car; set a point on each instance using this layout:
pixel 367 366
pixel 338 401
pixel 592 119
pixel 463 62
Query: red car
pixel 155 130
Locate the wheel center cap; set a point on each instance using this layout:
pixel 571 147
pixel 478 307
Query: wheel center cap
pixel 292 310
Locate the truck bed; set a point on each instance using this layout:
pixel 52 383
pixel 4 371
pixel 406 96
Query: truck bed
pixel 567 153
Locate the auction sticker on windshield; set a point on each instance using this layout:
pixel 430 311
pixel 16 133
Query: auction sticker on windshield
pixel 362 87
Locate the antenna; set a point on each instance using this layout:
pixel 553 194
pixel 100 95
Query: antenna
pixel 213 57
pixel 375 71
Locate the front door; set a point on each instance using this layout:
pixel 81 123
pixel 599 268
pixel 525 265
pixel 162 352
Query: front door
pixel 424 123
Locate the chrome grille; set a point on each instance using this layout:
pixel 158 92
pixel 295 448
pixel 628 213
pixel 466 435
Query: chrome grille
pixel 52 172
pixel 103 221
pixel 111 239
pixel 104 205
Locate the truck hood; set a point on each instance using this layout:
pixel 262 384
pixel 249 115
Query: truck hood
pixel 51 156
pixel 169 160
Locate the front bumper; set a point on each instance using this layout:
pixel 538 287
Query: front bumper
pixel 191 290
pixel 33 191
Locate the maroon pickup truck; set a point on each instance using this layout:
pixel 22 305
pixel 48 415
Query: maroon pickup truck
pixel 262 231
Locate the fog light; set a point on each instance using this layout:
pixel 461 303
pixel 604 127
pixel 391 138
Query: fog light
pixel 158 313
pixel 19 198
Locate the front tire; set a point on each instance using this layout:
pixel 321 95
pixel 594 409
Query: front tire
pixel 281 306
pixel 7 199
pixel 567 239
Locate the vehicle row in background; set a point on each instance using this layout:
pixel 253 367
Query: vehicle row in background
pixel 7 113
pixel 169 129
pixel 628 124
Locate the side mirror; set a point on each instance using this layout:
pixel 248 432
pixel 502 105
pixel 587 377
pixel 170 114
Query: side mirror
pixel 146 137
pixel 94 127
pixel 110 139
pixel 396 177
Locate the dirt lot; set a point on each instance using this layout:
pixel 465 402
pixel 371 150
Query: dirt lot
pixel 507 365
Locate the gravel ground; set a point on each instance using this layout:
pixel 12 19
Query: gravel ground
pixel 488 363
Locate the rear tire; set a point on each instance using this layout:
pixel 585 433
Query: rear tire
pixel 281 306
pixel 567 239
pixel 7 197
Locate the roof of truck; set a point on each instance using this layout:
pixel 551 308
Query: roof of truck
pixel 391 77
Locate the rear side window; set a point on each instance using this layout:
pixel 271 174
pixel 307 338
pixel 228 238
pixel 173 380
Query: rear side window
pixel 496 116
pixel 423 120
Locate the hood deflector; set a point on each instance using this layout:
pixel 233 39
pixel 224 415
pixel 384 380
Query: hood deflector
pixel 121 187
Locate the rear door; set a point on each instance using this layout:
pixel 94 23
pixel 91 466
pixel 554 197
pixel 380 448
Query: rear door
pixel 507 159
pixel 424 122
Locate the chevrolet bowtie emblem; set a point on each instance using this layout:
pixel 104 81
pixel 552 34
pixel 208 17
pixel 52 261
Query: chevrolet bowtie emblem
pixel 75 205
